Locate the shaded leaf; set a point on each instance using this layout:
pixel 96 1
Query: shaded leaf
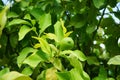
pixel 27 71
pixel 98 3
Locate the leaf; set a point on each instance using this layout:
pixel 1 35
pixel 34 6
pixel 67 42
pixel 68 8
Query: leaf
pixel 23 54
pixel 27 71
pixel 92 60
pixel 58 31
pixel 68 33
pixel 98 3
pixel 63 27
pixel 51 74
pixel 63 75
pixel 23 31
pixel 3 18
pixel 78 21
pixel 13 75
pixel 17 22
pixel 33 60
pixel 44 22
pixel 12 15
pixel 75 75
pixel 79 54
pixel 57 64
pixel 14 40
pixel 114 60
pixel 90 29
pixel 52 36
pixel 4 71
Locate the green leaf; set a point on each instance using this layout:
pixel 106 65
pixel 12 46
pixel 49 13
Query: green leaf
pixel 12 15
pixel 27 71
pixel 17 22
pixel 33 60
pixel 78 21
pixel 13 75
pixel 92 60
pixel 23 31
pixel 90 29
pixel 14 40
pixel 75 75
pixel 4 71
pixel 23 54
pixel 58 30
pixel 79 54
pixel 98 3
pixel 114 60
pixel 63 75
pixel 57 64
pixel 44 22
pixel 3 18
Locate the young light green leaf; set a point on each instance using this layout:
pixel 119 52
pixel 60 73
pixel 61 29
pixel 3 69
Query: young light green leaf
pixel 3 18
pixel 114 60
pixel 27 71
pixel 44 22
pixel 57 64
pixel 23 31
pixel 79 54
pixel 33 60
pixel 51 36
pixel 23 54
pixel 98 3
pixel 75 75
pixel 58 30
pixel 15 76
pixel 4 71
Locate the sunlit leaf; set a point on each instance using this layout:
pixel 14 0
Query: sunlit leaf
pixel 23 54
pixel 27 71
pixel 57 64
pixel 15 76
pixel 33 60
pixel 18 21
pixel 44 22
pixel 52 36
pixel 63 75
pixel 114 60
pixel 51 74
pixel 4 71
pixel 23 31
pixel 58 30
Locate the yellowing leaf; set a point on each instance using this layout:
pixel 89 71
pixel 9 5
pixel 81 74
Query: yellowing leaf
pixel 52 36
pixel 3 18
pixel 62 23
pixel 37 45
pixel 68 33
pixel 51 74
pixel 15 76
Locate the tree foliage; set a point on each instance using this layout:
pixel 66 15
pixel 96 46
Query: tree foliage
pixel 60 40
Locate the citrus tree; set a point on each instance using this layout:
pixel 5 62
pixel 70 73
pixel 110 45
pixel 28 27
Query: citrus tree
pixel 60 40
